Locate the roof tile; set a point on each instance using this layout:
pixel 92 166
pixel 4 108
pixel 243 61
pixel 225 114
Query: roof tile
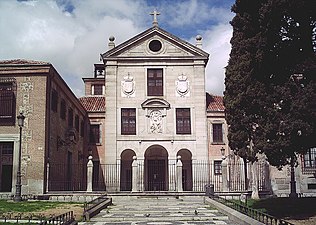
pixel 93 103
pixel 215 103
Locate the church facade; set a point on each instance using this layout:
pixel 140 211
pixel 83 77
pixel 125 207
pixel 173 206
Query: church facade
pixel 155 108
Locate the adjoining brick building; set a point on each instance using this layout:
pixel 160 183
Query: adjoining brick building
pixel 53 143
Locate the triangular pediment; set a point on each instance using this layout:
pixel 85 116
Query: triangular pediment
pixel 155 103
pixel 140 47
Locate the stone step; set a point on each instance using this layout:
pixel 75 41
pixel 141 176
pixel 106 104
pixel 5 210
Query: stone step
pixel 158 211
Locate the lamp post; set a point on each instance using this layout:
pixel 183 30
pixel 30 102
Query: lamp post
pixel 297 78
pixel 293 193
pixel 17 197
pixel 224 171
pixel 223 153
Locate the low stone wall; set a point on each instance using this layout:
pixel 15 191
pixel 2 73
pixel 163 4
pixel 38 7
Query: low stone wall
pixel 232 214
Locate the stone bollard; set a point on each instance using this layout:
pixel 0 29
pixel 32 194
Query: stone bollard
pixel 224 175
pixel 179 174
pixel 134 174
pixel 89 174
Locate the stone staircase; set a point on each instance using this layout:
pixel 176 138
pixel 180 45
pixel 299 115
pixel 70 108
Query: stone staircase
pixel 132 210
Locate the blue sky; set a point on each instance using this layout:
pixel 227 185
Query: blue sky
pixel 71 34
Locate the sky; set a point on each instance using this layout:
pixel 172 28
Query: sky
pixel 71 34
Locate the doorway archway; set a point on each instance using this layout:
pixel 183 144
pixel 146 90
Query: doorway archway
pixel 156 169
pixel 187 180
pixel 126 170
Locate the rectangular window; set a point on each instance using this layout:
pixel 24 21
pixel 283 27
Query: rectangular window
pixel 82 128
pixel 70 118
pixel 95 134
pixel 154 82
pixel 7 103
pixel 309 158
pixel 128 122
pixel 77 123
pixel 217 133
pixel 54 102
pixel 183 118
pixel 217 167
pixel 6 148
pixel 63 109
pixel 97 89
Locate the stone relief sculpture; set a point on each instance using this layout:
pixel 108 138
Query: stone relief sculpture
pixel 128 86
pixel 182 86
pixel 155 121
pixel 27 108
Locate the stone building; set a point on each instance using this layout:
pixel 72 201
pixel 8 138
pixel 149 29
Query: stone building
pixel 53 133
pixel 155 109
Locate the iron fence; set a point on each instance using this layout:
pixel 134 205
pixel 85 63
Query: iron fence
pixel 159 176
pixel 95 206
pixel 253 213
pixel 67 177
pixel 65 219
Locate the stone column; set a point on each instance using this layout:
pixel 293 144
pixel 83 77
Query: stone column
pixel 224 175
pixel 89 174
pixel 179 174
pixel 135 175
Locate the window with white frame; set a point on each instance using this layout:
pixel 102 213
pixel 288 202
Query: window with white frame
pixel 97 89
pixel 217 167
pixel 310 158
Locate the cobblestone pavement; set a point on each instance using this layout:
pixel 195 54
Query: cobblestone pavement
pixel 159 211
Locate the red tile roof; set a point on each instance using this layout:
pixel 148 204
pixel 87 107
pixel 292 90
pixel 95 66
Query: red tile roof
pixel 214 103
pixel 22 62
pixel 93 103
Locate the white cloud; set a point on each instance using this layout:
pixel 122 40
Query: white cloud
pixel 217 43
pixel 42 30
pixel 72 42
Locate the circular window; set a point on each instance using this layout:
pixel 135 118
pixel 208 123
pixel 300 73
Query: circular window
pixel 155 45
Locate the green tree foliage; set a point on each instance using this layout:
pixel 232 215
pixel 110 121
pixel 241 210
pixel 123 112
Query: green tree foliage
pixel 270 79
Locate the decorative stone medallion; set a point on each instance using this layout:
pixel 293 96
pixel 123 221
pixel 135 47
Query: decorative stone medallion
pixel 182 86
pixel 155 121
pixel 128 86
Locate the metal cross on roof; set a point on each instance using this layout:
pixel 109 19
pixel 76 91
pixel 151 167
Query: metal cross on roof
pixel 155 13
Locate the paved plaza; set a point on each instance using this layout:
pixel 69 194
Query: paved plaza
pixel 159 211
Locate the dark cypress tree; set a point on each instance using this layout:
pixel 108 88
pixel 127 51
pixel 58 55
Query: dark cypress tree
pixel 270 79
pixel 287 68
pixel 243 93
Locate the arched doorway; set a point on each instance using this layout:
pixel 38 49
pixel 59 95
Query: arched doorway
pixel 186 158
pixel 126 170
pixel 156 169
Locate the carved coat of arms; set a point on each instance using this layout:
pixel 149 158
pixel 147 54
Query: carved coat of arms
pixel 128 86
pixel 182 85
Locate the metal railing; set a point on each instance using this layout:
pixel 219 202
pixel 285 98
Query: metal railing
pixel 253 213
pixel 196 174
pixel 21 218
pixel 64 177
pixel 95 206
pixel 65 219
